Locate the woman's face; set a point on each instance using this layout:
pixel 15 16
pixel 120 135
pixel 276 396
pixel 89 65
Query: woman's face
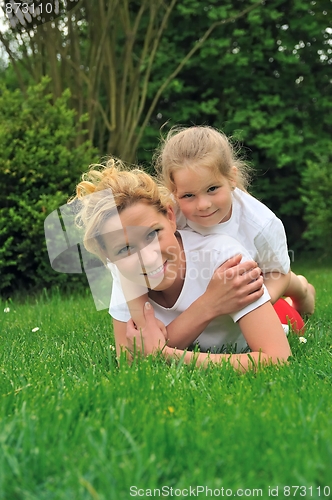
pixel 141 242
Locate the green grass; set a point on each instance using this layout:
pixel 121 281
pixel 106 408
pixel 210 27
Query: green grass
pixel 75 426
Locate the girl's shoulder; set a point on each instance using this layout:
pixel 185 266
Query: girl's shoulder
pixel 251 208
pixel 217 246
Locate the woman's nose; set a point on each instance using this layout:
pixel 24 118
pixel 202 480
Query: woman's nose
pixel 151 255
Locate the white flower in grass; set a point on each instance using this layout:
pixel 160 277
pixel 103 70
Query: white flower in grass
pixel 286 329
pixel 6 310
pixel 303 340
pixel 35 329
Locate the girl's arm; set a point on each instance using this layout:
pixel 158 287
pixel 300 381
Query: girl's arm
pixel 261 328
pixel 233 286
pixel 273 257
pixel 276 284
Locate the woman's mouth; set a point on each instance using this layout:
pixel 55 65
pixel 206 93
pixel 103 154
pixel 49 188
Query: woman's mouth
pixel 157 272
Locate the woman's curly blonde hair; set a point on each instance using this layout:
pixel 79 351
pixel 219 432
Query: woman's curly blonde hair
pixel 106 190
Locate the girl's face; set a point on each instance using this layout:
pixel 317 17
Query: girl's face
pixel 141 242
pixel 204 198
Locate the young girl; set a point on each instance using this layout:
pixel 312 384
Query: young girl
pixel 199 166
pixel 130 223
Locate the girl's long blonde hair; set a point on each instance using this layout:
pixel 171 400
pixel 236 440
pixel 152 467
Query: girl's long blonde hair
pixel 199 147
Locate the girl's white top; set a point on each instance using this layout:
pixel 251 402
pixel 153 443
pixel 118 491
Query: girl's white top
pixel 256 227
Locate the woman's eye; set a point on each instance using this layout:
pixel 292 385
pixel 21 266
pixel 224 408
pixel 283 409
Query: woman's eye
pixel 125 250
pixel 152 234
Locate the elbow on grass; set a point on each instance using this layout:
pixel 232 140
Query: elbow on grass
pixel 279 358
pixel 261 359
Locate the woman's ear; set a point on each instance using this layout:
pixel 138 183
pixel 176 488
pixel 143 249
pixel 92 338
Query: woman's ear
pixel 102 253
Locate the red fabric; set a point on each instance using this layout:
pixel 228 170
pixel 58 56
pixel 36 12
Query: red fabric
pixel 287 314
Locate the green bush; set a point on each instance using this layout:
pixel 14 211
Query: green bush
pixel 316 195
pixel 40 163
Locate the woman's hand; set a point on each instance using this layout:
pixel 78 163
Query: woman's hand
pixel 233 286
pixel 148 339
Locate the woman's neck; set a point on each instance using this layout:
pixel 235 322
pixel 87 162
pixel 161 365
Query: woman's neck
pixel 168 297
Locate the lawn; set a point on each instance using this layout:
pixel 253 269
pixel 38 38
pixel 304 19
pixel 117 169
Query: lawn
pixel 75 426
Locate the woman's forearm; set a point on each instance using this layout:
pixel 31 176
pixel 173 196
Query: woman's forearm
pixel 268 347
pixel 185 329
pixel 240 362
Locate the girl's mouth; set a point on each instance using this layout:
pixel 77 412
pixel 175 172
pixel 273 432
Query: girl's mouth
pixel 209 215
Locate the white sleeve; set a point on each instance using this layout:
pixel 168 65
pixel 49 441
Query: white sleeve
pixel 234 250
pixel 251 307
pixel 118 307
pixel 271 244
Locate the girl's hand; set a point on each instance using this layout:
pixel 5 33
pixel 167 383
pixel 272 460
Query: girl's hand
pixel 233 286
pixel 148 339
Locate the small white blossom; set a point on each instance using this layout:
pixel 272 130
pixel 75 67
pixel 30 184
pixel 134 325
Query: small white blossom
pixel 286 329
pixel 6 310
pixel 302 340
pixel 35 329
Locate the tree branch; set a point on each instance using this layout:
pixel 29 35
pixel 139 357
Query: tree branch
pixel 177 70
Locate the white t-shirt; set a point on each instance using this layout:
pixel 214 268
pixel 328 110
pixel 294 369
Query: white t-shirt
pixel 256 227
pixel 203 257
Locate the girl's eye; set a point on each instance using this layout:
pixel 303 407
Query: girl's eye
pixel 213 188
pixel 188 195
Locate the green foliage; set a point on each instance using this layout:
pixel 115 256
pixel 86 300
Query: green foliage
pixel 264 79
pixel 39 166
pixel 316 195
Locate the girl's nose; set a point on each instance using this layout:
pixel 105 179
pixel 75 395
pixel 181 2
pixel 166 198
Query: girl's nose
pixel 203 203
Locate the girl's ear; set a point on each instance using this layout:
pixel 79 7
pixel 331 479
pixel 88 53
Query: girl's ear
pixel 233 175
pixel 171 216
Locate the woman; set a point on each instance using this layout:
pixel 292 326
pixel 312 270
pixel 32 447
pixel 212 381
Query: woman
pixel 130 224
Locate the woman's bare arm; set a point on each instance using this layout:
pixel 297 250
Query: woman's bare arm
pixel 119 328
pixel 261 328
